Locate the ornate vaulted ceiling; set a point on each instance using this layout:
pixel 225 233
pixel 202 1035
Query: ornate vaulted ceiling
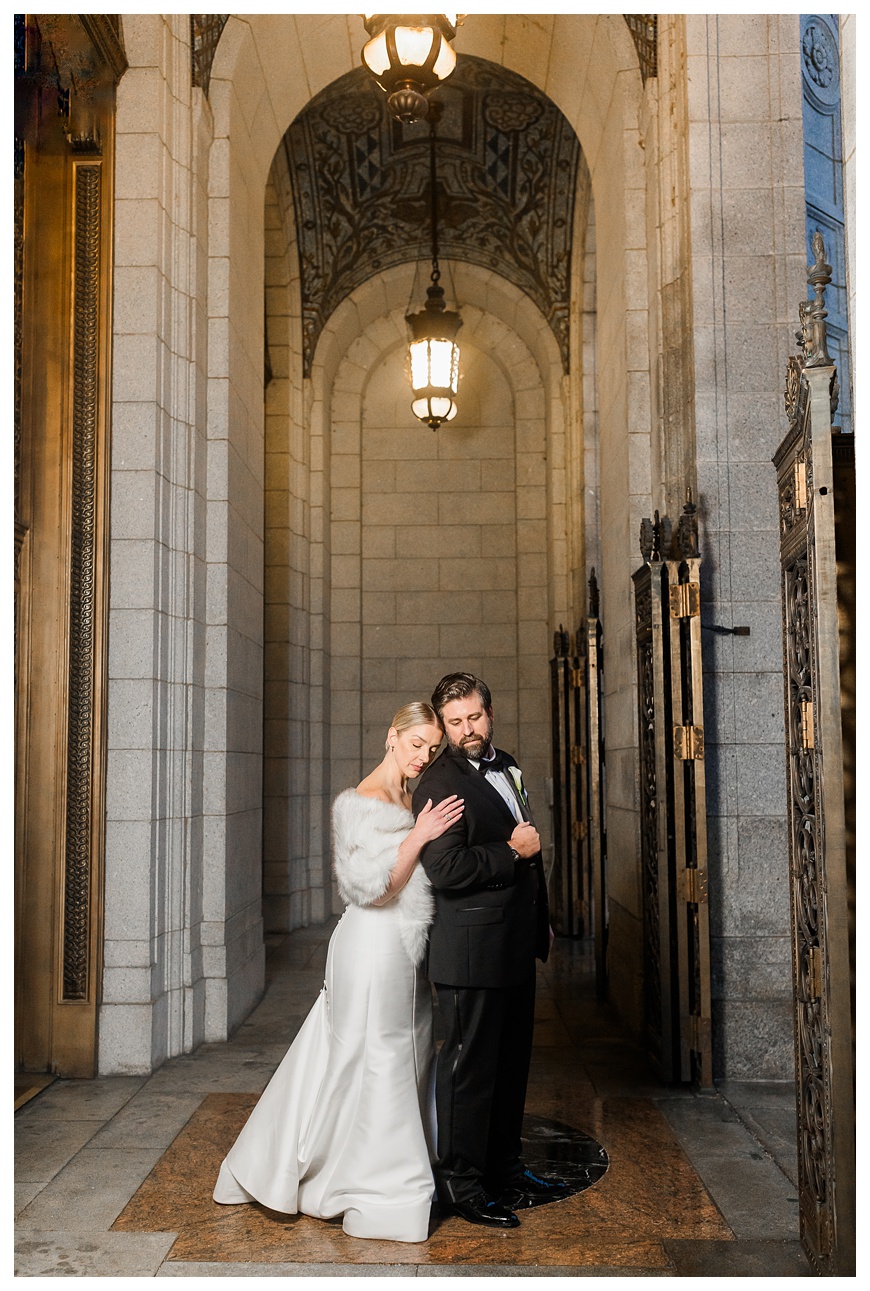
pixel 507 174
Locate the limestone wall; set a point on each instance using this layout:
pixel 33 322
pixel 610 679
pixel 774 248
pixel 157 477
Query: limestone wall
pixel 748 273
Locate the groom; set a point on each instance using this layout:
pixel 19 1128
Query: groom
pixel 491 922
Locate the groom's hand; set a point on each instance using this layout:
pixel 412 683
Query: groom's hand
pixel 525 840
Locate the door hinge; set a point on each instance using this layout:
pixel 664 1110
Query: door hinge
pixel 689 743
pixel 578 830
pixel 685 600
pixel 578 755
pixel 808 725
pixel 814 961
pixel 800 486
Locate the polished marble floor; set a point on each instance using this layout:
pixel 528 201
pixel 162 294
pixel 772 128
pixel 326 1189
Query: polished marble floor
pixel 114 1176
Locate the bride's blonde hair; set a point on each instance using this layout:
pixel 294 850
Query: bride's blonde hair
pixel 416 714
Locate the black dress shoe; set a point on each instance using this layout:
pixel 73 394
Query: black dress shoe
pixel 479 1210
pixel 531 1190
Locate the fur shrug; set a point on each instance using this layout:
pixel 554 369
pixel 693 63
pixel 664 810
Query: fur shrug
pixel 366 834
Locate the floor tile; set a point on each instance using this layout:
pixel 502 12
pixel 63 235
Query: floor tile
pixel 738 1259
pixel 150 1117
pixel 104 1255
pixel 93 1188
pixel 539 1271
pixel 82 1100
pixel 44 1147
pixel 176 1269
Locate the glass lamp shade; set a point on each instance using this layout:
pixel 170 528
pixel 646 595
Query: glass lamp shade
pixel 409 55
pixel 434 355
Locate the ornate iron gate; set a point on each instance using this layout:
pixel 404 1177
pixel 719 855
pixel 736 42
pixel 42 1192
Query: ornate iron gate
pixel 673 800
pixel 815 472
pixel 577 883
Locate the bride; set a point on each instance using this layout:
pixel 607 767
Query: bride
pixel 339 1129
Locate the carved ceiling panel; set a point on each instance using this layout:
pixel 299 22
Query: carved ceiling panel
pixel 644 33
pixel 205 32
pixel 507 165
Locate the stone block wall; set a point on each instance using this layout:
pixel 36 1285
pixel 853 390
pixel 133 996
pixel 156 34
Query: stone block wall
pixel 292 838
pixel 747 213
pixel 440 551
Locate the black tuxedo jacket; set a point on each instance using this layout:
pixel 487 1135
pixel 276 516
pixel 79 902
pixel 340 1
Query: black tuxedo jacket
pixel 491 912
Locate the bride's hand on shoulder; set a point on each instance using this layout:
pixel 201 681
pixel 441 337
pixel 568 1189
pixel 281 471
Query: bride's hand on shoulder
pixel 435 821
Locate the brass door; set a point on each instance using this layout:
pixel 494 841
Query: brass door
pixel 66 71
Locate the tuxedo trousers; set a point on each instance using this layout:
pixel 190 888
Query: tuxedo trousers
pixel 480 1087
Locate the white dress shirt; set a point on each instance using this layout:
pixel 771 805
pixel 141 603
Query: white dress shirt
pixel 500 781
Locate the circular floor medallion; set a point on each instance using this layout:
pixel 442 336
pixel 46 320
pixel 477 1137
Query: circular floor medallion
pixel 554 1150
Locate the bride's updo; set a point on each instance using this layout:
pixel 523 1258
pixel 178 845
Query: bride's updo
pixel 415 714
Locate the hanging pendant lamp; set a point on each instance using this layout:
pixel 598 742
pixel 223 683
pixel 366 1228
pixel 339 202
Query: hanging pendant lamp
pixel 409 55
pixel 434 352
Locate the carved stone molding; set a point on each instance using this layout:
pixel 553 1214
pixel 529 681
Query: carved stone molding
pixel 104 30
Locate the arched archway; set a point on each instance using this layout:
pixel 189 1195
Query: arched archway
pixel 592 74
pixel 204 830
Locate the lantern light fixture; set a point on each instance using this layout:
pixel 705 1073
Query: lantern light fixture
pixel 434 352
pixel 409 55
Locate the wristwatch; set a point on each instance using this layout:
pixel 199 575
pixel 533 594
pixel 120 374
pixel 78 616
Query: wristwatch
pixel 515 856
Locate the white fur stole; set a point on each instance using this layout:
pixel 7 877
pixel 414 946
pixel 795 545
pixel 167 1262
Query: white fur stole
pixel 366 834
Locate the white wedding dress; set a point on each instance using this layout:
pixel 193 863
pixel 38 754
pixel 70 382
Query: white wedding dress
pixel 339 1129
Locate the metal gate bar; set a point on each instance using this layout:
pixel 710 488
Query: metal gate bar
pixel 673 800
pixel 596 833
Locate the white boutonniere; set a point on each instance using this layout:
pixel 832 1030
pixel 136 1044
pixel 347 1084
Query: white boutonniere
pixel 517 776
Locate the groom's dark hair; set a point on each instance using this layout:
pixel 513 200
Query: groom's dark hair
pixel 459 685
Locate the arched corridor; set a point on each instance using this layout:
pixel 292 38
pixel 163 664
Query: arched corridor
pixel 695 1186
pixel 237 551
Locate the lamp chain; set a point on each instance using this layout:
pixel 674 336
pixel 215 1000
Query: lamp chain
pixel 433 186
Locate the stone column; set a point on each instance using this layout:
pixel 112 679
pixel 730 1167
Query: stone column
pixel 153 987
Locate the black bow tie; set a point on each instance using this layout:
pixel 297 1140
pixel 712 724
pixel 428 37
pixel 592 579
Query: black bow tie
pixel 493 764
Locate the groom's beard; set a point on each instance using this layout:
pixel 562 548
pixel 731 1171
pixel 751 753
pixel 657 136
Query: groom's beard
pixel 474 746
